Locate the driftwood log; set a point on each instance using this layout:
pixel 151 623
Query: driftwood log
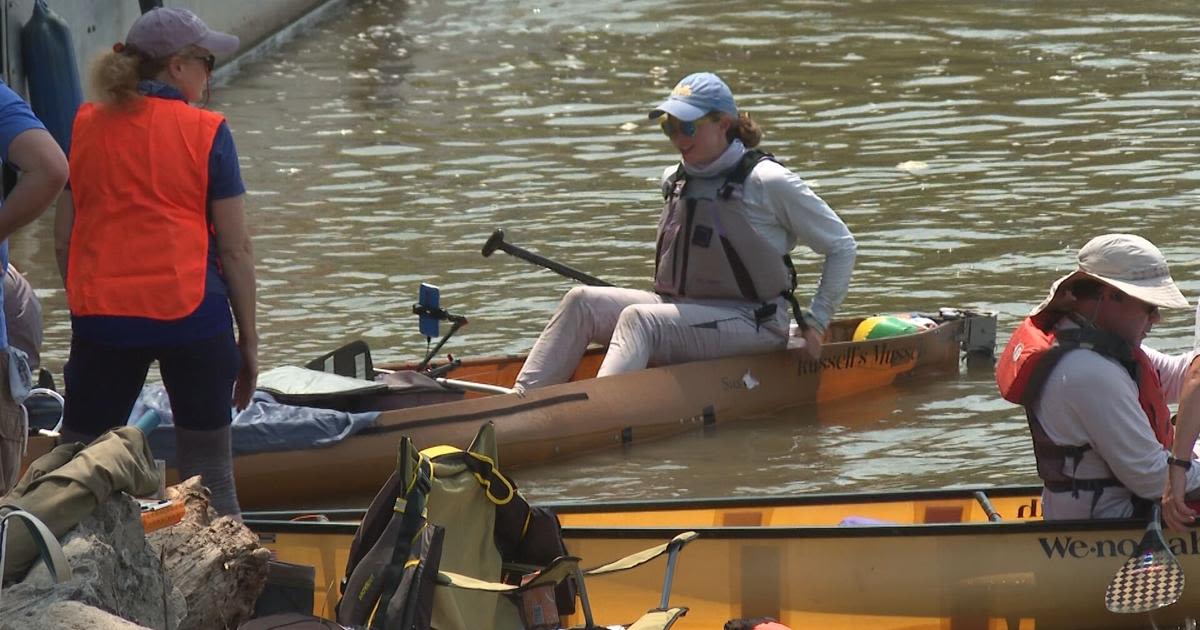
pixel 200 574
pixel 216 562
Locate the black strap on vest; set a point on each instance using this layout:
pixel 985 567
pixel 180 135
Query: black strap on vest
pixel 735 179
pixel 1085 337
pixel 411 524
pixel 383 543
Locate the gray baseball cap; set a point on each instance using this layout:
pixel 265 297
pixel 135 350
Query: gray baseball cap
pixel 165 31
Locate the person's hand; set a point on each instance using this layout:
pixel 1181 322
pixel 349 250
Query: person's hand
pixel 812 343
pixel 1175 510
pixel 247 378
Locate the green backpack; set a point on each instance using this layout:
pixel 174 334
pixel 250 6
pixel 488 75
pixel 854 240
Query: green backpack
pixel 453 510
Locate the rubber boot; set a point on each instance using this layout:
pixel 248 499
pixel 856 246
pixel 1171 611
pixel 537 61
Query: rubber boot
pixel 210 455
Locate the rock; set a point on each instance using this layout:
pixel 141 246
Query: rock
pixel 114 569
pixel 77 616
pixel 201 573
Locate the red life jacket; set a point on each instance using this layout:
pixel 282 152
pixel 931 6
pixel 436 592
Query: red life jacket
pixel 1030 352
pixel 139 180
pixel 1025 365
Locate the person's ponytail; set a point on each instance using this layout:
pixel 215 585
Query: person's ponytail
pixel 746 130
pixel 115 75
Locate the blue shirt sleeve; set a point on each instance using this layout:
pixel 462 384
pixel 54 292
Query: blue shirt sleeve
pixel 15 118
pixel 224 172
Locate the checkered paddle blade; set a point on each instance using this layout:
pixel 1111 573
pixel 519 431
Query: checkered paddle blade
pixel 1149 580
pixel 1144 583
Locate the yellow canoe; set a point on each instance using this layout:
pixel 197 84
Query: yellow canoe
pixel 932 560
pixel 590 413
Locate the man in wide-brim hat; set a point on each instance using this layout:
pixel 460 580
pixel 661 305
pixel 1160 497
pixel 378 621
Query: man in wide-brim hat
pixel 1096 400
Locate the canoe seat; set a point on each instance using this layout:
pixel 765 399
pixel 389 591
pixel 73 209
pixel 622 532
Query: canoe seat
pixel 943 514
pixel 352 359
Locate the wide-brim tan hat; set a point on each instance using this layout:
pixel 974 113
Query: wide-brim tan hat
pixel 1125 261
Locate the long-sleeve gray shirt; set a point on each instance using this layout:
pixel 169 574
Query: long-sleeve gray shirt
pixel 786 211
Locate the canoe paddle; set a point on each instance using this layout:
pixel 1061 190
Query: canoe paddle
pixel 1150 579
pixel 496 241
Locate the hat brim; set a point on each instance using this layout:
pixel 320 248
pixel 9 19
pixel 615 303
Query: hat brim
pixel 219 43
pixel 1160 294
pixel 678 109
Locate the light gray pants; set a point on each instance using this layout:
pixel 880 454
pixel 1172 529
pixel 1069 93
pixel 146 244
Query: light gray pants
pixel 641 328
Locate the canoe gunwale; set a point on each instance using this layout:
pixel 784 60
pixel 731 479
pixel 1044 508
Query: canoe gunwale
pixel 762 532
pixel 345 520
pixel 384 427
pixel 816 498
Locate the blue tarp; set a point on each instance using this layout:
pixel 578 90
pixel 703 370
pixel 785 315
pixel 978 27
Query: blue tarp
pixel 266 425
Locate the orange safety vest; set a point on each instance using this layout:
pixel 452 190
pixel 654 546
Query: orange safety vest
pixel 139 180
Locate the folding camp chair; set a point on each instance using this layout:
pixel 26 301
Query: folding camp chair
pixel 48 548
pixel 660 618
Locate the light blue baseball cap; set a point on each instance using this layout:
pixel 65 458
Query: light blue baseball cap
pixel 696 95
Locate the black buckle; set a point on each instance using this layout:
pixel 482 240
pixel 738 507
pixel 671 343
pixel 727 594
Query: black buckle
pixel 764 313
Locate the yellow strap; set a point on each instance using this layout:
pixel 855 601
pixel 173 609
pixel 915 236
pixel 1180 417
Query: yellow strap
pixel 421 460
pixel 417 535
pixel 374 609
pixel 434 452
pixel 487 483
pixel 401 502
pixel 528 520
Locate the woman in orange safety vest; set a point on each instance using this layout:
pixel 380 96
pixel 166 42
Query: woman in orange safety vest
pixel 154 250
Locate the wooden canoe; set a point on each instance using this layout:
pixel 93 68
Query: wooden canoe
pixel 936 562
pixel 592 413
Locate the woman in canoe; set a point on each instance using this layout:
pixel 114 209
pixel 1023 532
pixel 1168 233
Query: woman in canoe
pixel 723 282
pixel 154 250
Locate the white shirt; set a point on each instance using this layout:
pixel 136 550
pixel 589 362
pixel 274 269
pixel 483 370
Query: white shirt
pixel 1091 399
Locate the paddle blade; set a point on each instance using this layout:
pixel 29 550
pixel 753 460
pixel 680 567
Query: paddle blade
pixel 1150 579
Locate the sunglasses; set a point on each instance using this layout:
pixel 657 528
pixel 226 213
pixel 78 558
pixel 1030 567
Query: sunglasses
pixel 671 125
pixel 1151 309
pixel 210 61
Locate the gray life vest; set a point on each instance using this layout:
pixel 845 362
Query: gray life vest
pixel 707 248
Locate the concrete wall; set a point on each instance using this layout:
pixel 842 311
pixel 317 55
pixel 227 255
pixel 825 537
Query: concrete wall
pixel 97 24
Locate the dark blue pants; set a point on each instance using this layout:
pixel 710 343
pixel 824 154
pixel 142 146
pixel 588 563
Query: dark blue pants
pixel 103 382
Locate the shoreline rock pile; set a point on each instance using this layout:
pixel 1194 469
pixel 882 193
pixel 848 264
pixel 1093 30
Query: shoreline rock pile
pixel 203 572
